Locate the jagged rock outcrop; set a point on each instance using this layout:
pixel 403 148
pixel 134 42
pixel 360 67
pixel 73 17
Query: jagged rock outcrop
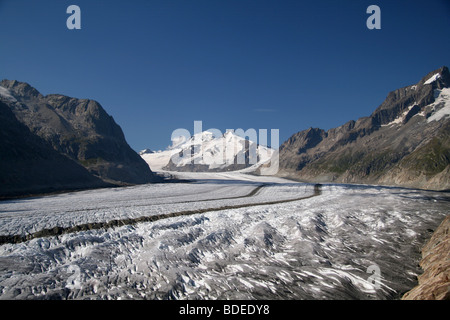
pixel 404 142
pixel 434 283
pixel 78 129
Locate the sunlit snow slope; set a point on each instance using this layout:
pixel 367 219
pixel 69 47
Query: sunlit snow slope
pixel 212 153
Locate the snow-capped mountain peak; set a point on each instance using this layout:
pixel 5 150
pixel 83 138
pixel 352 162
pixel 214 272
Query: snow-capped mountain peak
pixel 206 151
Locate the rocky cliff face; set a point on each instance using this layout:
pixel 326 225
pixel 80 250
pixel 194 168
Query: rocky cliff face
pixel 30 165
pixel 78 129
pixel 434 283
pixel 404 142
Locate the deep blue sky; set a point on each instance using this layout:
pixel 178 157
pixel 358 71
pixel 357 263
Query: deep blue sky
pixel 158 65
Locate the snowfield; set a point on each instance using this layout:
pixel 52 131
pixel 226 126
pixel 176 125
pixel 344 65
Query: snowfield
pixel 441 106
pixel 302 245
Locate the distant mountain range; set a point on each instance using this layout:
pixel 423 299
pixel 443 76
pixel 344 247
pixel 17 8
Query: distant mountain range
pixel 55 142
pixel 404 142
pixel 204 152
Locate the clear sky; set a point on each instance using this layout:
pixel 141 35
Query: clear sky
pixel 158 65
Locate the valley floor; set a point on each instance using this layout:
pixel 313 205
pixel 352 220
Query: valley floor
pixel 252 238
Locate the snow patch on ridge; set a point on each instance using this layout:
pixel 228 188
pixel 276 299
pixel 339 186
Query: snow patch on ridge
pixel 5 93
pixel 399 119
pixel 433 78
pixel 441 105
pixel 440 108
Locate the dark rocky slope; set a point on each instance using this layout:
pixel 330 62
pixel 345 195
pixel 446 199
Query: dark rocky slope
pixel 29 165
pixel 404 142
pixel 76 129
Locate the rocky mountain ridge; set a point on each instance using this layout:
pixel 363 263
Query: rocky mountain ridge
pixel 79 130
pixel 404 142
pixel 28 164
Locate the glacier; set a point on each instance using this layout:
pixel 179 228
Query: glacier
pixel 280 240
